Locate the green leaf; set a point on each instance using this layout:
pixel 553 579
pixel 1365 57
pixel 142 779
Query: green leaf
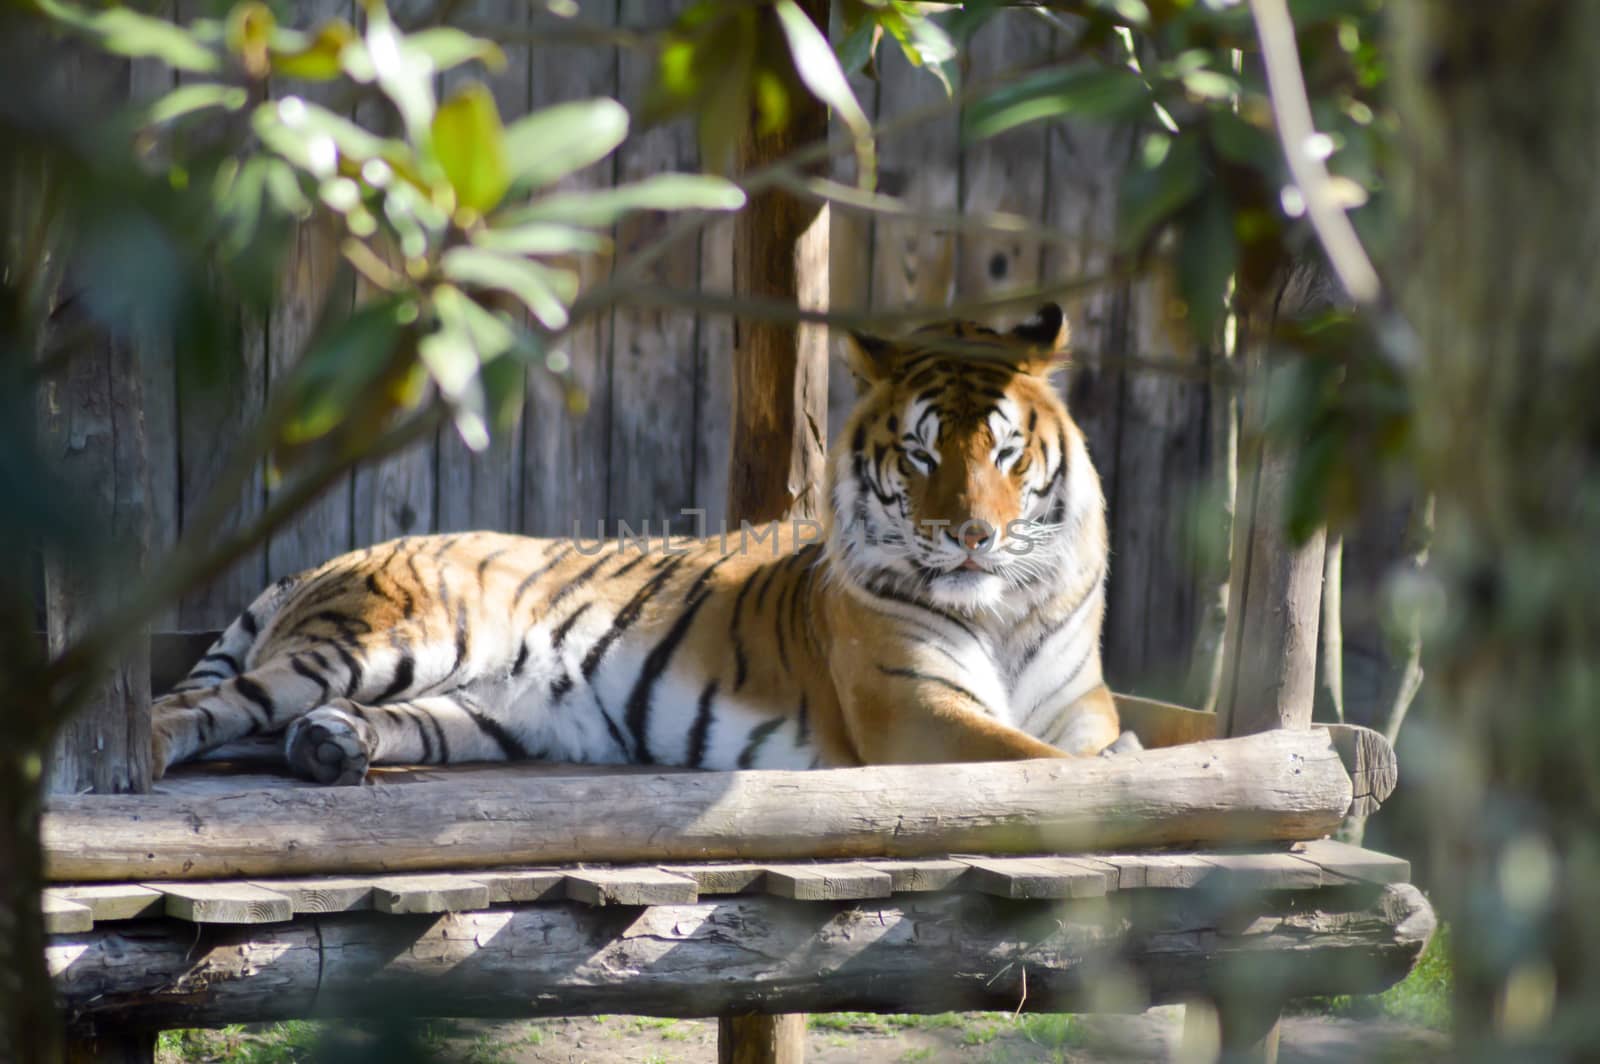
pixel 445 47
pixel 470 145
pixel 406 77
pixel 1207 255
pixel 855 50
pixel 664 192
pixel 556 141
pixel 540 238
pixel 344 363
pixel 451 357
pixel 1150 196
pixel 1241 142
pixel 819 71
pixel 121 31
pixel 190 99
pixel 1087 90
pixel 314 58
pixel 546 292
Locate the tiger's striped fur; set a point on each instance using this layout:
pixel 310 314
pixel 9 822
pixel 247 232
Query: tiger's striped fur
pixel 950 611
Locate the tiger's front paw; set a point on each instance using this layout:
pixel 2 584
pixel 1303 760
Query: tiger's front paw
pixel 331 745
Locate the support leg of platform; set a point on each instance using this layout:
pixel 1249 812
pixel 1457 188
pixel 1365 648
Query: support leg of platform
pixel 121 1047
pixel 761 1039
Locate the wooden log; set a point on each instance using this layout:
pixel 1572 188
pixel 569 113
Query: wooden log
pixel 1279 785
pixel 926 953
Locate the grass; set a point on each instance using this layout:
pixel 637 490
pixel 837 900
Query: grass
pixel 1422 998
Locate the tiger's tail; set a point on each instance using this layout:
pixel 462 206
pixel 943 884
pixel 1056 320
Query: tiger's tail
pixel 229 656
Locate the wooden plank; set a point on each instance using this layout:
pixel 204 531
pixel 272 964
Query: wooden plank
pixel 113 901
pixel 652 369
pixel 914 263
pixel 761 1039
pixel 722 878
pixel 629 886
pixel 1262 871
pixel 483 490
pixel 1279 785
pixel 62 915
pixel 224 903
pixel 919 876
pixel 566 446
pixel 428 894
pixel 1001 175
pixel 1160 724
pixel 523 884
pixel 322 895
pixel 92 440
pixel 1034 878
pixel 316 290
pixel 716 957
pixel 714 372
pixel 1353 862
pixel 1158 870
pixel 827 882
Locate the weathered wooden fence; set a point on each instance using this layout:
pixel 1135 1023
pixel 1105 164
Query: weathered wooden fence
pixel 653 441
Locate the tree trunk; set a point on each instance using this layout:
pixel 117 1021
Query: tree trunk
pixel 1500 282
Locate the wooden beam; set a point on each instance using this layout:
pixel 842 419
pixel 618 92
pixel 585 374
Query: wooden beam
pixel 1274 786
pixel 738 955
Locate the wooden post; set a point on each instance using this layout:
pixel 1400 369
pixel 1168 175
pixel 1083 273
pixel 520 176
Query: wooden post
pixel 780 372
pixel 1275 595
pixel 778 446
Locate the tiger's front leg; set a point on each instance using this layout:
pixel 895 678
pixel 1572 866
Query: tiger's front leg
pixel 337 742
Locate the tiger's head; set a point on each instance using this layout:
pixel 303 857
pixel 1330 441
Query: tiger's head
pixel 960 479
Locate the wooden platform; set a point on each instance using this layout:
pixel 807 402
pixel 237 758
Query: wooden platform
pixel 1302 866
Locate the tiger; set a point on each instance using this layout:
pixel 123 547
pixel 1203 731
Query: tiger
pixel 947 607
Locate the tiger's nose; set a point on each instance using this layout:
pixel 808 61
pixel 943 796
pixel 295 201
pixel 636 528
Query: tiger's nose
pixel 975 535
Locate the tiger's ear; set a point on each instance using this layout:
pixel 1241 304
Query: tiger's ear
pixel 871 358
pixel 1044 338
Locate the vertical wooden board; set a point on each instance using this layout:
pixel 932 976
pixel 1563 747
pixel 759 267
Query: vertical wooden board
pixel 149 80
pixel 849 261
pixel 212 406
pixel 565 462
pixel 714 376
pixel 312 288
pixel 652 349
pixel 913 263
pixel 1083 168
pixel 395 496
pixel 1162 459
pixel 482 490
pixel 1004 175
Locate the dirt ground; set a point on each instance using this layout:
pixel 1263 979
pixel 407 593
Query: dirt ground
pixel 841 1038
